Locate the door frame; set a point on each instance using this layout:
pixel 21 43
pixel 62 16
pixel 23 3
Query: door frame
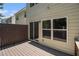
pixel 34 32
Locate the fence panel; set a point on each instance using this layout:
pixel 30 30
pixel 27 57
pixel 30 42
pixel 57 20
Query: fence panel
pixel 12 33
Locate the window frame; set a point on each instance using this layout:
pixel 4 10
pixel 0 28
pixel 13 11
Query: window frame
pixel 59 26
pixel 47 37
pixel 46 28
pixel 49 26
pixel 52 38
pixel 17 18
pixel 61 29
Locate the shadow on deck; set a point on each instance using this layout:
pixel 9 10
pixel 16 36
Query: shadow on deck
pixel 49 50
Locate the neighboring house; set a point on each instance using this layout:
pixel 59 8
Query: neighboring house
pixel 53 25
pixel 3 21
pixel 0 20
pixel 13 19
pixel 21 17
pixel 10 20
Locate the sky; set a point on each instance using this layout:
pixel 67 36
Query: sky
pixel 10 9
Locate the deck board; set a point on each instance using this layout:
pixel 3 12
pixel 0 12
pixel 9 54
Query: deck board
pixel 25 49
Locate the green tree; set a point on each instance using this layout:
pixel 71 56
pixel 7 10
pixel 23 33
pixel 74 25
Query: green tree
pixel 1 5
pixel 1 8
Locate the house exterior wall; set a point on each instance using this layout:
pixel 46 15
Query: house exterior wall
pixel 42 12
pixel 21 18
pixel 13 20
pixel 10 20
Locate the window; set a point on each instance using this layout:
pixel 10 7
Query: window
pixel 17 18
pixel 59 29
pixel 59 35
pixel 47 24
pixel 59 23
pixel 46 29
pixel 47 34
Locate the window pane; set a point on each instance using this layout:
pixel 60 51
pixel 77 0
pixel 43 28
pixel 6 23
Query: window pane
pixel 59 23
pixel 47 24
pixel 47 34
pixel 59 35
pixel 17 18
pixel 36 30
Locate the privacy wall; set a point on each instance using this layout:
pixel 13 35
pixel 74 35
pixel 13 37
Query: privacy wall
pixel 12 33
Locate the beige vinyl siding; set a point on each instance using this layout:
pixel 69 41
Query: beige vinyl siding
pixel 21 18
pixel 41 12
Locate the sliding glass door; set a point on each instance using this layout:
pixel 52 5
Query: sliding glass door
pixel 34 30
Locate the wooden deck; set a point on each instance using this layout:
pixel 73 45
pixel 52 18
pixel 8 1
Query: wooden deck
pixel 30 49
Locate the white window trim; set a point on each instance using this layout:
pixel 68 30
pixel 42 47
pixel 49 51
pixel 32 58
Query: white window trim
pixel 45 29
pixel 56 29
pixel 62 29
